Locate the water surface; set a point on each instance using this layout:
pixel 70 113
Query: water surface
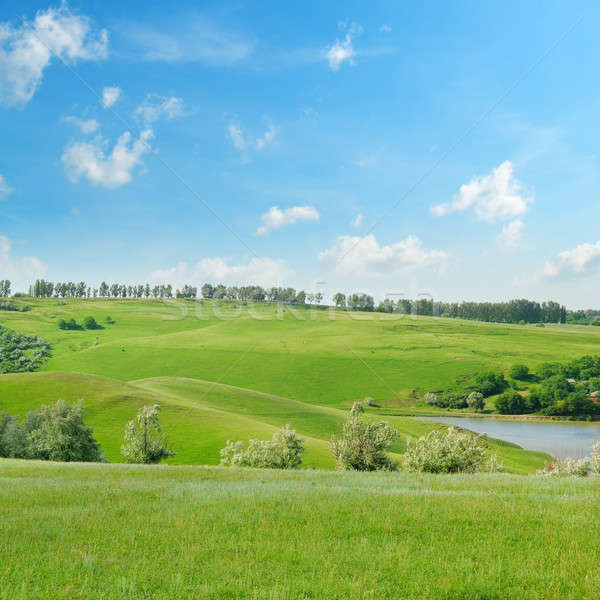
pixel 559 439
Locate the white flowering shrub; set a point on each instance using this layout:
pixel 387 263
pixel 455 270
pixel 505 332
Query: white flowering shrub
pixel 595 461
pixel 476 401
pixel 283 451
pixel 431 398
pixel 569 467
pixel 449 451
pixel 362 445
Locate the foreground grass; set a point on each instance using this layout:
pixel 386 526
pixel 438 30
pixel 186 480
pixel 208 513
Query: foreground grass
pixel 112 531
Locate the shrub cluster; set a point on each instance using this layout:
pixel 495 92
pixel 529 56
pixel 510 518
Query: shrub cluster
pixel 283 451
pixel 71 324
pixel 21 353
pixel 55 432
pixel 568 467
pixel 10 306
pixel 449 451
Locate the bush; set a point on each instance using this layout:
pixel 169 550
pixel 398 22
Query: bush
pixel 61 435
pixel 21 353
pixel 283 451
pixel 595 461
pixel 362 445
pixel 431 399
pixel 520 372
pixel 476 401
pixel 490 383
pixel 71 324
pixel 568 467
pixel 511 403
pixel 90 323
pixel 143 442
pixel 55 432
pixel 448 451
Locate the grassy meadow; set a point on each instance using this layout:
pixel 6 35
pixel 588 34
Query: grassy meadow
pixel 116 531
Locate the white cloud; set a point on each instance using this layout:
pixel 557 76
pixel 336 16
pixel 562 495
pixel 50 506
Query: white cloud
pixel 276 218
pixel 268 137
pixel 237 136
pixel 242 142
pixel 5 189
pixel 20 271
pixel 263 271
pixel 357 222
pixel 511 235
pixel 27 50
pixel 385 28
pixel 494 197
pixel 343 50
pixel 365 257
pixel 581 261
pixel 110 95
pixel 155 107
pixel 195 40
pixel 87 159
pixel 86 125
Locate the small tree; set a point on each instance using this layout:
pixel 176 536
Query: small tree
pixel 143 441
pixel 476 401
pixel 362 445
pixel 283 451
pixel 448 451
pixel 57 432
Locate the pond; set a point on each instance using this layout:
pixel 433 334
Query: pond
pixel 559 439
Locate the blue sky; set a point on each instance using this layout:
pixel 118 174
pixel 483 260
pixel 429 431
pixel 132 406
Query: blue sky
pixel 446 149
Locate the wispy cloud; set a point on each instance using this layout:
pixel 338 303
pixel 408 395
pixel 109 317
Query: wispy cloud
pixel 194 39
pixel 343 50
pixel 85 125
pixel 5 189
pixel 27 50
pixel 110 95
pixel 275 218
pixel 242 141
pixel 18 270
pixel 511 235
pixel 263 271
pixel 88 160
pixel 156 107
pixel 358 221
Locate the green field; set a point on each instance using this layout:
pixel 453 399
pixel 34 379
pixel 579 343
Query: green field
pixel 115 531
pixel 226 371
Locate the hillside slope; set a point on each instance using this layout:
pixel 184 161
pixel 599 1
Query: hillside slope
pixel 317 356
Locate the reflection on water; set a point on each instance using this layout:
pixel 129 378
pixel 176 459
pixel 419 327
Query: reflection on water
pixel 557 439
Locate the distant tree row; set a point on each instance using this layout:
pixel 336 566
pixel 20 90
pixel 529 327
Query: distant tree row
pixel 513 311
pixel 48 289
pixel 4 288
pixel 255 293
